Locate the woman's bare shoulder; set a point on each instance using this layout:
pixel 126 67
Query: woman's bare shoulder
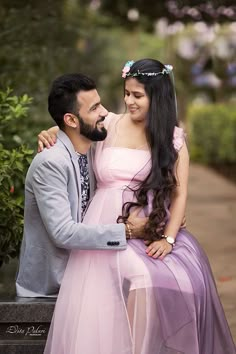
pixel 111 118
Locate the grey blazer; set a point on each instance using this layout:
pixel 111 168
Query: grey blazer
pixel 52 221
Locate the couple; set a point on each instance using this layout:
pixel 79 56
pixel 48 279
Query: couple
pixel 153 299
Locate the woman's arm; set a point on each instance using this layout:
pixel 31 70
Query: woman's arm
pixel 159 249
pixel 47 138
pixel 179 197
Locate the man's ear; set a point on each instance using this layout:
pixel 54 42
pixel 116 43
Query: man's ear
pixel 71 120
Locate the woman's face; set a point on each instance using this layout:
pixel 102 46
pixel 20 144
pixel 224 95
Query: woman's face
pixel 136 100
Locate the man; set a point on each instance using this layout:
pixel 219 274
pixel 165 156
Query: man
pixel 57 189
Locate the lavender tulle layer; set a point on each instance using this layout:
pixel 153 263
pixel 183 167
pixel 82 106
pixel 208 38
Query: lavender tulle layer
pixel 128 303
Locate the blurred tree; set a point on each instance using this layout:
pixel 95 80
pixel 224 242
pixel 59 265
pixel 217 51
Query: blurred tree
pixel 30 34
pixel 41 40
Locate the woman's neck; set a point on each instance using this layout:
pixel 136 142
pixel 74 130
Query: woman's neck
pixel 130 134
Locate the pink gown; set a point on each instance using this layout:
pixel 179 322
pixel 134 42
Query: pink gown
pixel 124 302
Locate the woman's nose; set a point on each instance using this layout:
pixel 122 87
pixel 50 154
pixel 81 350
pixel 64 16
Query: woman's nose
pixel 129 99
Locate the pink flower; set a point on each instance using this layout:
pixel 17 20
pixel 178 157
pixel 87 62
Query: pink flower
pixel 125 70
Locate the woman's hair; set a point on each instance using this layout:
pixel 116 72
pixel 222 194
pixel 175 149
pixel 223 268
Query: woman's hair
pixel 160 123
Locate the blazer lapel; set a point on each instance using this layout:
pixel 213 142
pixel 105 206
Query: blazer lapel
pixel 77 172
pixel 92 180
pixel 74 159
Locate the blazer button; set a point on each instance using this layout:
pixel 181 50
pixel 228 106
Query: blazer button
pixel 113 243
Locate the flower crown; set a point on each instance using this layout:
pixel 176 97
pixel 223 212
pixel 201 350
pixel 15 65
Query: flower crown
pixel 126 71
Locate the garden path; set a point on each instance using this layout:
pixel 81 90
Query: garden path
pixel 211 217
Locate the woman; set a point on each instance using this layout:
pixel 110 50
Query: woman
pixel 144 300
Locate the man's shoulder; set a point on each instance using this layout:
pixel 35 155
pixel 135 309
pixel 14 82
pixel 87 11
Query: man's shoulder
pixel 57 154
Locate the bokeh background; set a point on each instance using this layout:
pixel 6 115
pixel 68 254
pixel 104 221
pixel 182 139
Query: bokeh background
pixel 40 40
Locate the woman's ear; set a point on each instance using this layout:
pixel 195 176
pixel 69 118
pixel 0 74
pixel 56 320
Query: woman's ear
pixel 70 120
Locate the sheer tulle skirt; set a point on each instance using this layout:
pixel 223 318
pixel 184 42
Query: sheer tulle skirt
pixel 128 303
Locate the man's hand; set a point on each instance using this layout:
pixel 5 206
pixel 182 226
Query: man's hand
pixel 135 225
pixel 158 249
pixel 47 138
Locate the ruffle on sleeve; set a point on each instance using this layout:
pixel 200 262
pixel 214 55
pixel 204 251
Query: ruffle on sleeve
pixel 179 138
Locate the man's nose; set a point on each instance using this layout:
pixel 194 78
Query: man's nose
pixel 104 112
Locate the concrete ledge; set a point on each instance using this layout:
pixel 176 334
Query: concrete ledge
pixel 21 348
pixel 24 324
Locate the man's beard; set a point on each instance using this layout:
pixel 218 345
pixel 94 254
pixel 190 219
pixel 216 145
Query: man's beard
pixel 91 133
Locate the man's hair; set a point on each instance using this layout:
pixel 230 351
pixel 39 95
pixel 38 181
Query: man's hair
pixel 62 96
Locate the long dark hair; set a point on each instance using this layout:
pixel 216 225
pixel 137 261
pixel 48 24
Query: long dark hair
pixel 160 123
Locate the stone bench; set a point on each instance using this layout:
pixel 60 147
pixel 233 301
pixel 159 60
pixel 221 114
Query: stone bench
pixel 24 324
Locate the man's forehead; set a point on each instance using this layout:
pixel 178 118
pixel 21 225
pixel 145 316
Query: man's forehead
pixel 88 98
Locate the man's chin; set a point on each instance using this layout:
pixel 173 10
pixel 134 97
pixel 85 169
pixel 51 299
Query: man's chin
pixel 99 134
pixel 102 136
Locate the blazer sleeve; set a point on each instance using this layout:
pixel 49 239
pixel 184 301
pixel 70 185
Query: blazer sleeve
pixel 49 185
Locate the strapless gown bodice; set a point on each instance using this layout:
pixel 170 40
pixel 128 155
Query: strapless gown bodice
pixel 114 170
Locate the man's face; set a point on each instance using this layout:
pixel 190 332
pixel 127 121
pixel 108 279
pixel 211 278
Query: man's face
pixel 91 115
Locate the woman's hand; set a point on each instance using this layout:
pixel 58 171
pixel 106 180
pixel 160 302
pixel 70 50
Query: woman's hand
pixel 158 249
pixel 47 138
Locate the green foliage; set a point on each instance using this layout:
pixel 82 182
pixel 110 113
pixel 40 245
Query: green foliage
pixel 14 161
pixel 13 117
pixel 212 130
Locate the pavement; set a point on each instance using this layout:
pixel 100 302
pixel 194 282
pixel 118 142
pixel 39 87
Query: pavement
pixel 211 218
